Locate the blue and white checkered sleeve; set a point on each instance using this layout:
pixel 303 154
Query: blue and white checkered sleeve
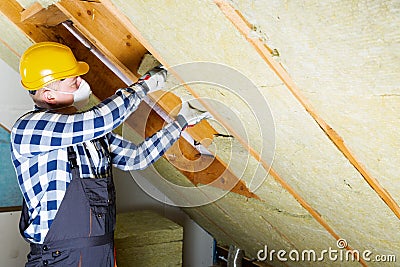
pixel 38 132
pixel 128 156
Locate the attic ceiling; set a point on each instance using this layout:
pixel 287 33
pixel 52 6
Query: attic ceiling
pixel 330 77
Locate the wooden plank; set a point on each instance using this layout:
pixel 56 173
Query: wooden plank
pixel 170 103
pixel 12 10
pixel 37 14
pixel 199 169
pixel 107 33
pixel 102 80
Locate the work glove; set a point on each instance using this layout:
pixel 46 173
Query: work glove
pixel 153 80
pixel 189 116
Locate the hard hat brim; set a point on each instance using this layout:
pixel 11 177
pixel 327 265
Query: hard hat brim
pixel 80 69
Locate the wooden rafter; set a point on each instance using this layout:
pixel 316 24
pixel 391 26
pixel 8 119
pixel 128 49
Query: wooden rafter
pixel 12 10
pixel 199 169
pixel 38 15
pixel 107 33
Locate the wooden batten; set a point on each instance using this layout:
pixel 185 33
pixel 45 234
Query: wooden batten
pixel 38 15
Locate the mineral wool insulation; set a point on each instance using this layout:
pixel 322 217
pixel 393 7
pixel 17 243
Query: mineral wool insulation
pixel 344 58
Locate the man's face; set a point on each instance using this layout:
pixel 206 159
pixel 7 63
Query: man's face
pixel 69 84
pixel 55 93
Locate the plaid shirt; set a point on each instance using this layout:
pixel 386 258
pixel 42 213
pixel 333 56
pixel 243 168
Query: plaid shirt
pixel 39 142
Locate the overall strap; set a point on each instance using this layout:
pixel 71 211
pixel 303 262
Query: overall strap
pixel 108 155
pixel 102 150
pixel 72 157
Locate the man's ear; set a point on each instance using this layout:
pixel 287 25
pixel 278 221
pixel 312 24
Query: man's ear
pixel 48 97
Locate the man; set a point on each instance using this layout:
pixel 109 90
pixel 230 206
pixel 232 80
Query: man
pixel 63 157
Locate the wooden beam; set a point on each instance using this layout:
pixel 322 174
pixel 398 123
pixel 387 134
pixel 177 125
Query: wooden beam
pixel 199 169
pixel 37 14
pixel 107 33
pixel 12 10
pixel 203 132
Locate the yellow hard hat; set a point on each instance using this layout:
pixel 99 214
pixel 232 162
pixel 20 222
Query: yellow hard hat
pixel 46 62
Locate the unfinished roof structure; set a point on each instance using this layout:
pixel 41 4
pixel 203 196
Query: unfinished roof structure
pixel 328 73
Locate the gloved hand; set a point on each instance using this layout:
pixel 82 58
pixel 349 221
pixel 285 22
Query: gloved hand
pixel 189 116
pixel 153 80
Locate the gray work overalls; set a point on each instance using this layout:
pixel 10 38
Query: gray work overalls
pixel 82 233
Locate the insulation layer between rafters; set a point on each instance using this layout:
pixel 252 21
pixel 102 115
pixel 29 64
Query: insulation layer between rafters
pixel 244 27
pixel 305 158
pixel 252 151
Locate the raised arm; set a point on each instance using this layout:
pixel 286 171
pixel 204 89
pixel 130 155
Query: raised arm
pixel 42 131
pixel 128 156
